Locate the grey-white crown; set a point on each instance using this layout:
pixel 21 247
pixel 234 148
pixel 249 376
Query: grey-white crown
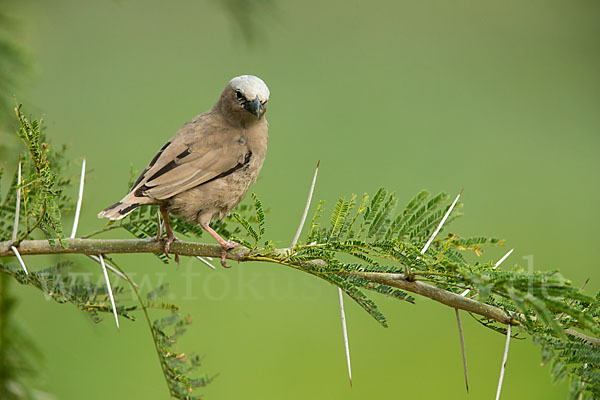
pixel 251 87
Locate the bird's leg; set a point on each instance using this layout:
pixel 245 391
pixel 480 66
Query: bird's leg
pixel 170 235
pixel 225 244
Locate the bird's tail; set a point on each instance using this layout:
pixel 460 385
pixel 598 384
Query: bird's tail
pixel 121 209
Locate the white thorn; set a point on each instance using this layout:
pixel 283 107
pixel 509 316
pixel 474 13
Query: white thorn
pixel 18 206
pixel 345 334
pixel 500 261
pixel 503 363
pixel 582 384
pixel 462 345
pixel 305 213
pixel 441 224
pixel 205 261
pixel 114 270
pixel 14 249
pixel 110 294
pixel 79 200
pixel 160 226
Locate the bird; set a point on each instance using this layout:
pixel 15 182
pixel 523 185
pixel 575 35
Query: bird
pixel 203 172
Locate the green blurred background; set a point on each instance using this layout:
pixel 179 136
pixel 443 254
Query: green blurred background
pixel 501 98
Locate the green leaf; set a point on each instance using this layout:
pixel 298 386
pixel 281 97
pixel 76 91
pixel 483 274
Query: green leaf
pixel 361 209
pixel 371 211
pixel 260 215
pixel 246 225
pixel 408 227
pixel 339 217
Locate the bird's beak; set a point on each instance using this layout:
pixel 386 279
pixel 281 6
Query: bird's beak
pixel 253 107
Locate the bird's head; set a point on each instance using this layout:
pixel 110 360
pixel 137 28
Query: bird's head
pixel 245 97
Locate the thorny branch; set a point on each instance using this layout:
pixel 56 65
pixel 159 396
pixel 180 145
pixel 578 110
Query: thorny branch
pixel 243 254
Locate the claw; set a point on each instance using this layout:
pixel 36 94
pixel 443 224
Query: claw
pixel 170 235
pixel 168 242
pixel 226 246
pixel 224 258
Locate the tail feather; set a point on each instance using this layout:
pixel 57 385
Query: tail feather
pixel 118 210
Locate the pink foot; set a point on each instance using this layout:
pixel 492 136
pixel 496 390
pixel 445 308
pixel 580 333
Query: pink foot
pixel 226 246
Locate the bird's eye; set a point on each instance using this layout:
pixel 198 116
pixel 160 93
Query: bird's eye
pixel 239 95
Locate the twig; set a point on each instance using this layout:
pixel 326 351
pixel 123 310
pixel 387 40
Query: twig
pixel 16 252
pixel 150 326
pixel 503 363
pixel 79 200
pixel 343 314
pixel 17 208
pixel 205 262
pixel 453 300
pixel 110 293
pixel 462 345
pixel 434 234
pixel 306 207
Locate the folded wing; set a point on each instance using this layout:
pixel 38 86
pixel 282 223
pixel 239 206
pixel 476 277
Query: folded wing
pixel 181 165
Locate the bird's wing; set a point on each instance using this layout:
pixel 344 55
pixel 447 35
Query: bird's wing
pixel 189 160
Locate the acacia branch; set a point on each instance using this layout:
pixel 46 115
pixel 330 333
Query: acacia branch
pixel 242 254
pixel 440 295
pixel 120 246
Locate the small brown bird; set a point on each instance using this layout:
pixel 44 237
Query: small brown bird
pixel 204 171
